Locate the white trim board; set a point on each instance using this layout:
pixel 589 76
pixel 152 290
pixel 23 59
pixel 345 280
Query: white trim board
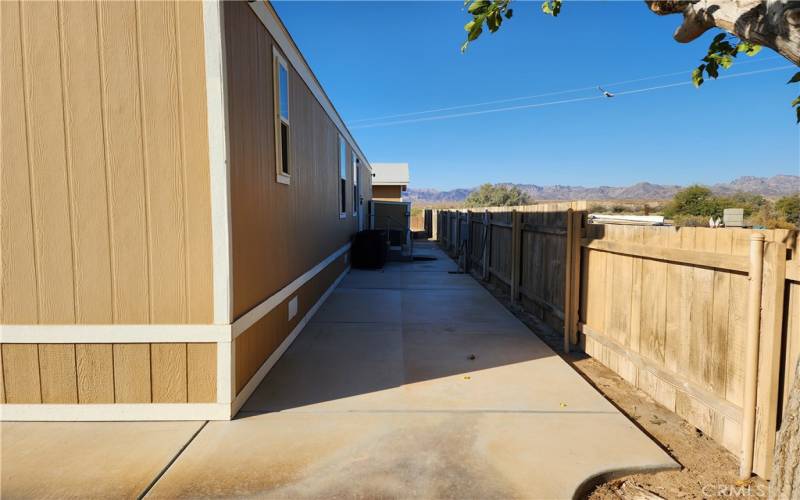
pixel 250 317
pixel 269 18
pixel 258 377
pixel 218 160
pixel 112 334
pixel 114 411
pixel 225 372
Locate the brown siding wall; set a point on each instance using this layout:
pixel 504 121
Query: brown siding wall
pixel 258 342
pixel 278 231
pixel 105 183
pixel 387 193
pixel 108 373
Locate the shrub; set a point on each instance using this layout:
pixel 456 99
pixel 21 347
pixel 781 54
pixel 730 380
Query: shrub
pixel 770 218
pixel 597 209
pixel 691 220
pixel 789 208
pixel 488 195
pixel 618 209
pixel 751 203
pixel 694 200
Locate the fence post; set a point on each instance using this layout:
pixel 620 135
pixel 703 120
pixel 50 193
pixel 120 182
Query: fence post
pixel 577 235
pixel 769 359
pixel 516 244
pixel 468 242
pixel 446 228
pixel 751 353
pixel 458 232
pixel 442 227
pixel 449 226
pixel 568 270
pixel 487 242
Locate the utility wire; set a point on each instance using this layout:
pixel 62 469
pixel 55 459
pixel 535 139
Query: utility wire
pixel 548 94
pixel 563 101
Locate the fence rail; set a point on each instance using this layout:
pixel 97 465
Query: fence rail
pixel 666 308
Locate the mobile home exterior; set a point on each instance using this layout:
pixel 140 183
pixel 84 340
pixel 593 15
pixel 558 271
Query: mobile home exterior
pixel 178 198
pixel 390 181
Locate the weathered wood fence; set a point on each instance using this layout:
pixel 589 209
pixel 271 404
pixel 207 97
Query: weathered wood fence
pixel 666 308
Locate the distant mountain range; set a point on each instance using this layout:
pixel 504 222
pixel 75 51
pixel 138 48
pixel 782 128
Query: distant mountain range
pixel 778 185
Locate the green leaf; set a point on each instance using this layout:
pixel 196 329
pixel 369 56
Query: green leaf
pixel 725 61
pixel 509 13
pixel 551 7
pixel 750 49
pixel 493 21
pixel 796 102
pixel 795 78
pixel 712 69
pixel 697 75
pixel 719 38
pixel 478 6
pixel 475 30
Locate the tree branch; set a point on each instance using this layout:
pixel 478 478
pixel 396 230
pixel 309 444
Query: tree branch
pixel 770 23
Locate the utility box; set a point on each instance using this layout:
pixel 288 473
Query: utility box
pixel 733 217
pixel 369 249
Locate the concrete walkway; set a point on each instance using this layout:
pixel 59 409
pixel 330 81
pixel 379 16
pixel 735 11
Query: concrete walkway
pixel 410 382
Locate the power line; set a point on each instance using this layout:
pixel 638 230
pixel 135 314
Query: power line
pixel 723 77
pixel 547 94
pixel 552 103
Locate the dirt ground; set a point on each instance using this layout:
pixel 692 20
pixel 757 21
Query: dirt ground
pixel 709 470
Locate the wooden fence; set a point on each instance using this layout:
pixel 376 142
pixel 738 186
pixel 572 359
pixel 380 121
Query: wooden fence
pixel 666 308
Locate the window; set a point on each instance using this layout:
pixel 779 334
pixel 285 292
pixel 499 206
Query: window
pixel 281 103
pixel 356 198
pixel 342 178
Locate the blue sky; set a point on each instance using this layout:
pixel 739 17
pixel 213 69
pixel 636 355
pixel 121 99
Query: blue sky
pixel 384 58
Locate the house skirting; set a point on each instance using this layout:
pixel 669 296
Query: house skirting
pixel 156 372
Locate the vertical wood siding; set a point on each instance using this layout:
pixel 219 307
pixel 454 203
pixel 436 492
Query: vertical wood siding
pixel 278 231
pixel 108 373
pixel 105 183
pixel 258 342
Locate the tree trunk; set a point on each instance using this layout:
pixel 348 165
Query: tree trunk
pixel 786 460
pixel 770 23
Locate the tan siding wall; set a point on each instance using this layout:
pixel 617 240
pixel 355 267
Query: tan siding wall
pixel 109 373
pixel 105 183
pixel 387 193
pixel 278 231
pixel 258 342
